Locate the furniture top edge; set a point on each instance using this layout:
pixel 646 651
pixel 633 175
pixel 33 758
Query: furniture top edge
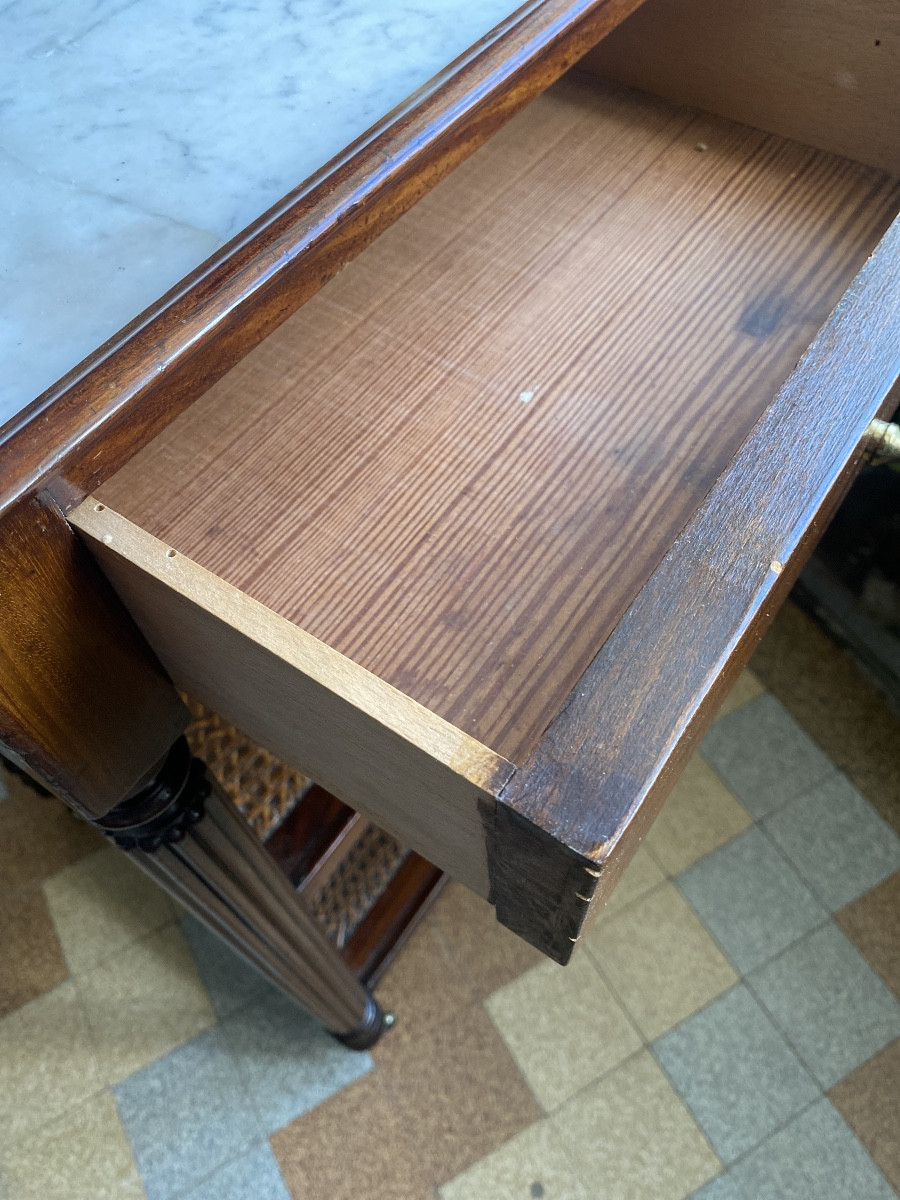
pixel 307 230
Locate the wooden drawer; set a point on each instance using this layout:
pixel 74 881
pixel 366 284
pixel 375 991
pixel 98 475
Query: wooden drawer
pixel 478 538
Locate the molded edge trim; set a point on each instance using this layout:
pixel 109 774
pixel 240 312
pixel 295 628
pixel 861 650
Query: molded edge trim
pixel 110 405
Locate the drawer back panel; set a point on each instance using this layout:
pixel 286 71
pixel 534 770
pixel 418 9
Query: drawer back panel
pixel 826 72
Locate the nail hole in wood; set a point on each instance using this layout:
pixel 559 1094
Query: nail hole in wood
pixel 170 554
pixel 99 507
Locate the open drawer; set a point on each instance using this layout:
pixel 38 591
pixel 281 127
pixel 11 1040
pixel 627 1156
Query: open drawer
pixel 478 538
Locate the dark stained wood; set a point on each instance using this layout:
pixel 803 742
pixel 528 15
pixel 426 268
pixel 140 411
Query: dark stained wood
pixel 460 463
pixel 329 861
pixel 308 832
pixel 605 765
pixel 222 873
pixel 393 918
pixel 87 425
pixel 312 841
pixel 84 705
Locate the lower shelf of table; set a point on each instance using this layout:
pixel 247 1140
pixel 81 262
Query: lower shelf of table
pixel 367 891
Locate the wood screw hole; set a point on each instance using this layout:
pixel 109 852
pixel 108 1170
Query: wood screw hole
pixel 99 507
pixel 170 554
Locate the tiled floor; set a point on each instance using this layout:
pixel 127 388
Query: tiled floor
pixel 728 1032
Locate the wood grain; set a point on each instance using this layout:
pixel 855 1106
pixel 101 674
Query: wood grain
pixel 221 872
pixel 84 705
pixel 460 463
pixel 416 776
pixel 605 765
pixel 822 71
pixel 88 424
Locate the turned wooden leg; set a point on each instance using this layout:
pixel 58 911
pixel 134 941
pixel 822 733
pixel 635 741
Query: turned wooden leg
pixel 183 830
pixel 86 709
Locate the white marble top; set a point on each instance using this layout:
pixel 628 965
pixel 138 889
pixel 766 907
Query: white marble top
pixel 137 136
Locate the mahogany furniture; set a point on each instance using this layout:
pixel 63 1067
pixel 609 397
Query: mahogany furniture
pixel 479 535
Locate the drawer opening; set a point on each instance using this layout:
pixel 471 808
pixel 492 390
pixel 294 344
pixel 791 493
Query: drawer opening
pixel 460 463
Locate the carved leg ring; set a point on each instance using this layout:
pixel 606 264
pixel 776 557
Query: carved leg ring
pixel 183 830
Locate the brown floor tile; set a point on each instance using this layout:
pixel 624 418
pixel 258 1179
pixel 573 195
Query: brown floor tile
pixel 38 836
pixel 457 1091
pixel 424 987
pixel 869 1101
pixel 822 687
pixel 488 953
pixel 31 958
pixel 873 923
pixel 351 1146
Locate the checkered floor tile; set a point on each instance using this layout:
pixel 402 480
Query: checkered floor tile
pixel 729 1031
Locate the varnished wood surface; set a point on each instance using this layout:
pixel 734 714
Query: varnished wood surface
pixel 824 73
pixel 308 833
pixel 94 419
pixel 393 918
pixel 412 773
pixel 83 702
pixel 222 873
pixel 603 768
pixel 460 463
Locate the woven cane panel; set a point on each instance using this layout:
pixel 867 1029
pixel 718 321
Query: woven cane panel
pixel 265 790
pixel 351 892
pixel 257 783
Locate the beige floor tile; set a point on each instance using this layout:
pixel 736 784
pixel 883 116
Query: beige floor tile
pixel 746 688
pixel 641 874
pixel 47 1062
pixel 143 1002
pixel 533 1164
pixel 563 1027
pixel 660 961
pixel 102 904
pixel 632 1134
pixel 83 1155
pixel 699 816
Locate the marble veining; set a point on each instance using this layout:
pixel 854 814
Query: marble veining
pixel 137 136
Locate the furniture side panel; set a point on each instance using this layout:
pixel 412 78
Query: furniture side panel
pixel 84 705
